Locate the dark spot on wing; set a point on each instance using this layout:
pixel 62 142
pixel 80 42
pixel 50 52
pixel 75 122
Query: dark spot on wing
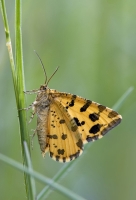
pixel 95 129
pixel 71 104
pixel 52 136
pixel 80 144
pixel 51 154
pixel 101 108
pixel 76 155
pixel 74 96
pixel 89 139
pixel 85 106
pixel 61 151
pixel 57 158
pixel 83 122
pixel 78 123
pixel 62 121
pixel 64 159
pixel 112 114
pixel 55 146
pixel 94 117
pixel 74 128
pixel 64 136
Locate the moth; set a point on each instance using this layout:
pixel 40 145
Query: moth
pixel 65 122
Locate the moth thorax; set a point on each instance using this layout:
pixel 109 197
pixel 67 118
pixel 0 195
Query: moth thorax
pixel 44 104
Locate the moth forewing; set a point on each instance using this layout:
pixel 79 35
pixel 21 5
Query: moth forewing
pixel 93 120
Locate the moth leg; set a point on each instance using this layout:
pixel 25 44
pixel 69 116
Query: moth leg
pixel 32 136
pixel 29 107
pixel 31 92
pixel 32 116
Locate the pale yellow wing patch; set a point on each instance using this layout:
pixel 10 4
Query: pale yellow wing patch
pixel 64 141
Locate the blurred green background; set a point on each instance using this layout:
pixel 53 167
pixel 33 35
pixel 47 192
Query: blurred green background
pixel 94 43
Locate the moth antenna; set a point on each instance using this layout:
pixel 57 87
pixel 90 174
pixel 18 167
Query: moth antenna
pixel 52 75
pixel 42 66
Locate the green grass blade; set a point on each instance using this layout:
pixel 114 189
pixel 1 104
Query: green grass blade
pixel 41 178
pixel 21 103
pixel 30 168
pixel 8 41
pixel 18 81
pixel 120 102
pixel 61 173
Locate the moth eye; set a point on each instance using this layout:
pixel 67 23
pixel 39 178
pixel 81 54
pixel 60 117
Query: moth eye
pixel 43 87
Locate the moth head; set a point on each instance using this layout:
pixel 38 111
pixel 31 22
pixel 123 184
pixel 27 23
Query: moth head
pixel 44 87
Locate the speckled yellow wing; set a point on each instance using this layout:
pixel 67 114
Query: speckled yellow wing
pixel 73 121
pixel 64 141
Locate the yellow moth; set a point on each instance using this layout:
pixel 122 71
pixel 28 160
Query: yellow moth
pixel 65 122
